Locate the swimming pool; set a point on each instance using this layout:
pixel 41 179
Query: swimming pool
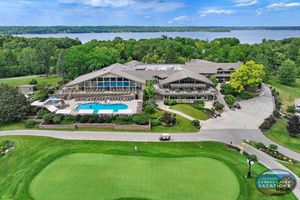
pixel 99 106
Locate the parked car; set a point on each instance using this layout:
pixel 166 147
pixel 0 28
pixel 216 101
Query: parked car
pixel 298 108
pixel 237 106
pixel 165 137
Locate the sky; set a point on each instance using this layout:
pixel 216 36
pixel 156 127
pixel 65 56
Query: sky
pixel 150 12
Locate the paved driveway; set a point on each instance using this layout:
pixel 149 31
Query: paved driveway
pixel 252 114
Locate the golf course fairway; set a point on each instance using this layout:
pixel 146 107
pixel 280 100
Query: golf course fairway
pixel 99 176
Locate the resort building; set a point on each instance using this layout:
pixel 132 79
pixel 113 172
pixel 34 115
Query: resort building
pixel 126 83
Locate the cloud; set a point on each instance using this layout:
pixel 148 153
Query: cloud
pixel 282 6
pixel 179 19
pixel 216 11
pixel 142 5
pixel 244 3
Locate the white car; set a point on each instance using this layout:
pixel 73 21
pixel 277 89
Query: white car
pixel 298 108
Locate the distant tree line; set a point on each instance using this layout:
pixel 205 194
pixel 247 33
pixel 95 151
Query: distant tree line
pixel 104 29
pixel 113 29
pixel 70 58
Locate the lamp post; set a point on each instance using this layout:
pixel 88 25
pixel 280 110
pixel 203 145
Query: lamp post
pixel 250 162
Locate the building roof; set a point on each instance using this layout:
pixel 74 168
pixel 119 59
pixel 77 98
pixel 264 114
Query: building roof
pixel 207 67
pixel 136 71
pixel 185 73
pixel 117 69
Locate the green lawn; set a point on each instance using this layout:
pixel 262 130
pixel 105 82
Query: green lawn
pixel 288 94
pixel 279 134
pixel 51 80
pixel 191 111
pixel 46 168
pixel 14 126
pixel 294 168
pixel 183 125
pixel 125 177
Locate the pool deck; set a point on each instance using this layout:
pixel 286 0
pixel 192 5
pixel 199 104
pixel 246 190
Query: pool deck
pixel 132 105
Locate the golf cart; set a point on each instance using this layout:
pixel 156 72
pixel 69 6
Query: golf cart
pixel 165 137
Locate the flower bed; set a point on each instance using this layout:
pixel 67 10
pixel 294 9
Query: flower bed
pixel 272 151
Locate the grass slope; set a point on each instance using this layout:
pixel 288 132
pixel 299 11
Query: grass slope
pixel 50 80
pixel 191 111
pixel 279 134
pixel 288 94
pixel 33 154
pixel 77 176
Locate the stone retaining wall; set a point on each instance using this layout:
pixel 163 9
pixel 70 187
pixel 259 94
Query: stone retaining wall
pixel 100 126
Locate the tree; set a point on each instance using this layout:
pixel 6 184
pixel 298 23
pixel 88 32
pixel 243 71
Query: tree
pixel 293 126
pixel 13 105
pixel 214 80
pixel 287 72
pixel 168 119
pixel 249 75
pixel 149 90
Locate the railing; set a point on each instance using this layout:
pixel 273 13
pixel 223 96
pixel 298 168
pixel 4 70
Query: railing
pixel 163 92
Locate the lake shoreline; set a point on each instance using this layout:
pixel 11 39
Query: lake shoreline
pixel 245 36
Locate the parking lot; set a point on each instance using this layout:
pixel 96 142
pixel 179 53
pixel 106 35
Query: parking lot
pixel 252 114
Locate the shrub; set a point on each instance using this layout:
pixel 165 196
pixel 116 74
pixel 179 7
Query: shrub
pixel 199 102
pixel 253 157
pixel 293 126
pixel 230 100
pixel 218 106
pixel 273 147
pixel 268 123
pixel 56 119
pixel 93 119
pixel 141 119
pixel 170 102
pixel 244 95
pixel 276 113
pixel 227 89
pixel 168 119
pixel 276 96
pixel 150 102
pixel 196 123
pixel 84 119
pixel 198 106
pixel 123 120
pixel 48 118
pixel 33 82
pixel 155 123
pixel 260 145
pixel 291 109
pixel 30 123
pixel 149 109
pixel 100 119
pixel 41 113
pixel 70 118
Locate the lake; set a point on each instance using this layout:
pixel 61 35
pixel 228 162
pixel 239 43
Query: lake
pixel 245 36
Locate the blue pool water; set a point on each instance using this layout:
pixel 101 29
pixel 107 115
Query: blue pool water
pixel 98 106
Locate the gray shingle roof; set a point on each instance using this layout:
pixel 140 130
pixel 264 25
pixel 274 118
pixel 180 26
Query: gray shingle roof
pixel 193 69
pixel 207 67
pixel 185 73
pixel 117 69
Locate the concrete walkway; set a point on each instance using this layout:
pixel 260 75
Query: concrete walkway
pixel 221 99
pixel 162 106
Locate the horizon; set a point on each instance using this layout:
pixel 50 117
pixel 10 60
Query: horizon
pixel 221 13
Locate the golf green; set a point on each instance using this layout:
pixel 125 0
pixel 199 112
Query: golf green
pixel 98 176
